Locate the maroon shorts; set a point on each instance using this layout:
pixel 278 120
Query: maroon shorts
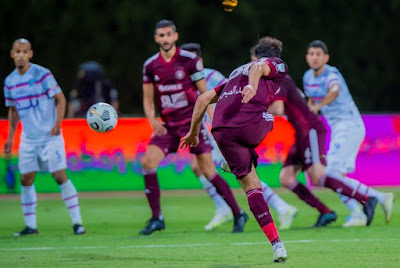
pixel 307 150
pixel 169 143
pixel 238 145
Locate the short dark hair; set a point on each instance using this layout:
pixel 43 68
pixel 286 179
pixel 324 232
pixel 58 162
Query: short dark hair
pixel 165 23
pixel 192 47
pixel 267 47
pixel 318 44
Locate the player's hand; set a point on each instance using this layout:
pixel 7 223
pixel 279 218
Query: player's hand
pixel 8 146
pixel 190 140
pixel 314 108
pixel 158 127
pixel 55 130
pixel 248 93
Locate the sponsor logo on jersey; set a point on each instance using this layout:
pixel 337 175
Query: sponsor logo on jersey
pixel 179 75
pixel 280 67
pixel 156 78
pixel 172 87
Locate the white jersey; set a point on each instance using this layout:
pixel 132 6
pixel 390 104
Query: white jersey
pixel 32 95
pixel 213 80
pixel 343 107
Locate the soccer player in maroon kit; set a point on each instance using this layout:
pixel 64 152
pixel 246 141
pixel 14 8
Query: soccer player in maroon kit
pixel 241 121
pixel 307 154
pixel 172 78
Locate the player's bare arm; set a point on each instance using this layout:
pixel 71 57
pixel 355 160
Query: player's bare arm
pixel 150 110
pixel 61 104
pixel 192 137
pixel 257 70
pixel 13 119
pixel 201 86
pixel 277 108
pixel 333 93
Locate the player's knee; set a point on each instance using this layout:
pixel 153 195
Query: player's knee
pixel 195 168
pixel 147 163
pixel 27 179
pixel 60 177
pixel 286 178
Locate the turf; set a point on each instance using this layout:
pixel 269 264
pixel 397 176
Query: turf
pixel 113 223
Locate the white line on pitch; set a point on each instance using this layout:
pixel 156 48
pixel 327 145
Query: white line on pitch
pixel 200 244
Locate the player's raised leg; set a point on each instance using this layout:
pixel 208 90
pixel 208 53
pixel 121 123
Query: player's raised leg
pixel 223 212
pixel 208 169
pixel 29 203
pixel 151 159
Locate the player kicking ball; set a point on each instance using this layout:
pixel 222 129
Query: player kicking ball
pixel 240 123
pixel 34 97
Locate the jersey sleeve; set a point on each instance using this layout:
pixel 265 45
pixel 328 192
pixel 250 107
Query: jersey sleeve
pixel 147 74
pixel 279 69
pixel 281 94
pixel 50 85
pixel 196 69
pixel 331 80
pixel 219 89
pixel 9 101
pixel 304 84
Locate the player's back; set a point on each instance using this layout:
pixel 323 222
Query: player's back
pixel 231 112
pixel 316 87
pixel 296 108
pixel 32 95
pixel 174 87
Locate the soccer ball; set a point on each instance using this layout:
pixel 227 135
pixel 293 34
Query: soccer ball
pixel 101 117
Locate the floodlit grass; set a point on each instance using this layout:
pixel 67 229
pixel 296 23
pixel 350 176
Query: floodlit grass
pixel 113 224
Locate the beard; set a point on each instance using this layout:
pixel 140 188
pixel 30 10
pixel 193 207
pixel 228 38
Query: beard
pixel 167 46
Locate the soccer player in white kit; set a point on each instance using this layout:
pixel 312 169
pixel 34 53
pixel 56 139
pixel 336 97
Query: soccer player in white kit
pixel 34 97
pixel 329 93
pixel 223 213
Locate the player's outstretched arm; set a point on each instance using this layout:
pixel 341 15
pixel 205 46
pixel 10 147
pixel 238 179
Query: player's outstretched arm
pixel 61 105
pixel 257 70
pixel 192 137
pixel 150 110
pixel 13 119
pixel 333 93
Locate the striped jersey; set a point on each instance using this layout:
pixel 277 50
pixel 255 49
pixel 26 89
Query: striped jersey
pixel 32 95
pixel 316 87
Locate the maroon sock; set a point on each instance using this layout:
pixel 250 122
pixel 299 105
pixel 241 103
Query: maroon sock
pixel 338 186
pixel 152 190
pixel 305 194
pixel 261 213
pixel 225 192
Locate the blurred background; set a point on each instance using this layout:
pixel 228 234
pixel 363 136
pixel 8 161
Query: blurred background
pixel 362 36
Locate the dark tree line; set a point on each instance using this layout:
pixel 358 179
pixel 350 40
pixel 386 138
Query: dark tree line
pixel 362 36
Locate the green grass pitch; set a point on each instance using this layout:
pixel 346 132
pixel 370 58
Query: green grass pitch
pixel 113 224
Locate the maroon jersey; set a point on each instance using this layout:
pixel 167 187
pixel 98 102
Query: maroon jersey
pixel 230 112
pixel 174 85
pixel 296 109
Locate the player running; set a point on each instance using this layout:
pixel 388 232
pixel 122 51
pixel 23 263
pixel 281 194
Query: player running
pixel 173 78
pixel 34 97
pixel 329 93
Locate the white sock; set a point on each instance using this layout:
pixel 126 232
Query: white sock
pixel 273 200
pixel 219 202
pixel 365 190
pixel 29 203
pixel 70 196
pixel 351 204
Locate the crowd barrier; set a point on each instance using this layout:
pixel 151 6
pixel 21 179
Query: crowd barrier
pixel 111 161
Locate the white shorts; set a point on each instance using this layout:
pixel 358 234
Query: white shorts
pixel 49 156
pixel 345 142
